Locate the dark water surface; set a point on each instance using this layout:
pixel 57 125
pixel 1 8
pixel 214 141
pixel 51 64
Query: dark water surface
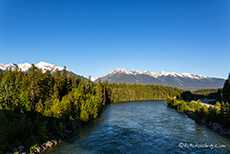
pixel 142 127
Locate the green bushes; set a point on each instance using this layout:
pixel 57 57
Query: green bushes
pixel 220 113
pixel 180 106
pixel 201 112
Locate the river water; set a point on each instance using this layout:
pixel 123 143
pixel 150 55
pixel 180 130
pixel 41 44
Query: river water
pixel 143 127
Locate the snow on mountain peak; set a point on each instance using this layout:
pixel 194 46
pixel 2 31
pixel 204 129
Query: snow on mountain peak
pixel 158 74
pixel 11 65
pixel 44 66
pixel 163 73
pixel 119 70
pixel 2 67
pixel 136 72
pixel 93 79
pixel 47 66
pixel 150 73
pixel 24 66
pixel 155 75
pixel 183 75
pixel 193 76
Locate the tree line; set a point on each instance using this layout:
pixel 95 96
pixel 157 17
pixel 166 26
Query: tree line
pixel 219 113
pixel 126 92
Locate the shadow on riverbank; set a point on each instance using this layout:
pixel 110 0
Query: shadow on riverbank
pixel 31 132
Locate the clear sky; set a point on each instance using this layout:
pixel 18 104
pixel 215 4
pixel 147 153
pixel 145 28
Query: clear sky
pixel 94 37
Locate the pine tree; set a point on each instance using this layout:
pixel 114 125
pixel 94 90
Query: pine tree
pixel 104 96
pixel 64 82
pixel 89 86
pixel 99 92
pixel 71 82
pixel 57 85
pixel 81 86
pixel 39 106
pixel 46 86
pixel 1 75
pixel 18 80
pixel 7 95
pixel 25 101
pixel 226 90
pixel 34 74
pixel 78 80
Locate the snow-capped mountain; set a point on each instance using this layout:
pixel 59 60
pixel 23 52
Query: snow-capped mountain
pixel 25 66
pixel 47 66
pixel 11 65
pixel 179 80
pixel 158 74
pixel 184 75
pixel 44 66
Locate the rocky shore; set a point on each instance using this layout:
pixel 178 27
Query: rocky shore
pixel 51 142
pixel 214 126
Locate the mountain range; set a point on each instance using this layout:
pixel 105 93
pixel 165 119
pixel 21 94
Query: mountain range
pixel 44 66
pixel 179 80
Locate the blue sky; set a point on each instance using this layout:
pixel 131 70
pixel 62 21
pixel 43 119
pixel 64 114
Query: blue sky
pixel 94 37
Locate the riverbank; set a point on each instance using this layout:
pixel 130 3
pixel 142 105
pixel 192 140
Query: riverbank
pixel 214 126
pixel 49 143
pixel 215 117
pixel 53 142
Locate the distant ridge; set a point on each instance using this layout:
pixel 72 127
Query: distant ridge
pixel 180 80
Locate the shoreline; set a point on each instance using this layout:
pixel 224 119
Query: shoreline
pixel 213 126
pixel 53 142
pixel 49 143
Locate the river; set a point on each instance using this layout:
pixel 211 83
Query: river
pixel 142 127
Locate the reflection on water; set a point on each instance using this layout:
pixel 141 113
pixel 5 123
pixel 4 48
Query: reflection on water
pixel 141 127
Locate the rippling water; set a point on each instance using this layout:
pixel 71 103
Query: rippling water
pixel 141 127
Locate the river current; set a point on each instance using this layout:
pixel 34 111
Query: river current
pixel 142 127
